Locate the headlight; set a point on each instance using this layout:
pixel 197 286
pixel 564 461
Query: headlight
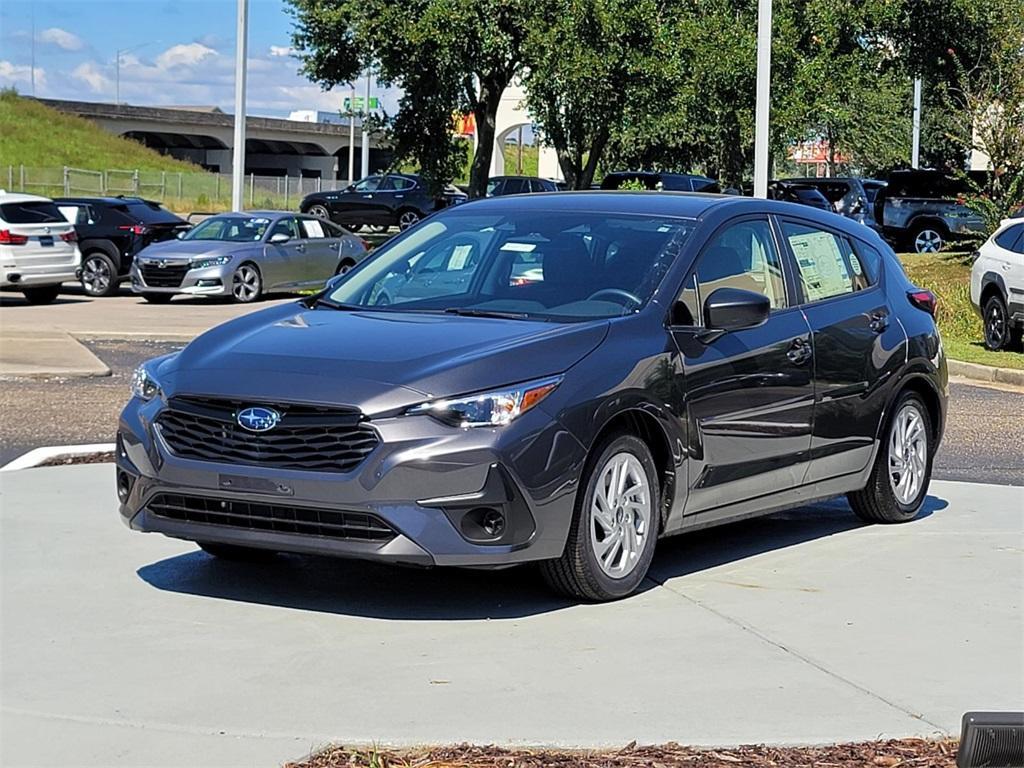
pixel 144 386
pixel 489 409
pixel 216 261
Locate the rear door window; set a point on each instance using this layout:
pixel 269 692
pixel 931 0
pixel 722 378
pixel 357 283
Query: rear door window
pixel 826 263
pixel 32 212
pixel 75 214
pixel 313 229
pixel 1010 238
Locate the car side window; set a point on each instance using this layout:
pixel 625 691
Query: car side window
pixel 313 229
pixel 400 184
pixel 515 187
pixel 743 255
pixel 1009 237
pixel 75 214
pixel 285 226
pixel 826 263
pixel 369 184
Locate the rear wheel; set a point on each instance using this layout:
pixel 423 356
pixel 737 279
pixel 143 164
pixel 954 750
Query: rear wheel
pixel 158 298
pixel 235 552
pixel 246 284
pixel 344 267
pixel 928 238
pixel 43 294
pixel 615 526
pixel 997 323
pixel 899 480
pixel 99 275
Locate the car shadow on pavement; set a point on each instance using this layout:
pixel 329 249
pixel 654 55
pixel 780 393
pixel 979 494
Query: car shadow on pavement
pixel 10 299
pixel 373 590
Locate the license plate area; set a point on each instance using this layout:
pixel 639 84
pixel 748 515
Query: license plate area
pixel 46 241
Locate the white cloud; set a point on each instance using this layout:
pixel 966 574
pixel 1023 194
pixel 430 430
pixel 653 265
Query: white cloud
pixel 184 55
pixel 88 73
pixel 281 50
pixel 62 39
pixel 11 74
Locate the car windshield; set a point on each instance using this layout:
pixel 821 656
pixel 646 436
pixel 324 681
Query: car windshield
pixel 235 229
pixel 564 266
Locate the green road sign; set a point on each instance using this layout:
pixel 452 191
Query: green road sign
pixel 348 104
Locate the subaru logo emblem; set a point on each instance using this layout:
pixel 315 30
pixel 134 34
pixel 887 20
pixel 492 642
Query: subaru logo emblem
pixel 257 419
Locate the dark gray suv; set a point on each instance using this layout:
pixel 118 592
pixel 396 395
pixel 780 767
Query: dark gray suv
pixel 575 376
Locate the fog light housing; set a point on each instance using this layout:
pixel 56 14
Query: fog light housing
pixel 994 739
pixel 208 283
pixel 124 486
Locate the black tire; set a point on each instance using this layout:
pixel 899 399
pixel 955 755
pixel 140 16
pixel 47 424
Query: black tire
pixel 319 210
pixel 344 267
pixel 235 552
pixel 99 275
pixel 996 323
pixel 158 298
pixel 927 237
pixel 43 294
pixel 249 275
pixel 577 573
pixel 877 502
pixel 408 217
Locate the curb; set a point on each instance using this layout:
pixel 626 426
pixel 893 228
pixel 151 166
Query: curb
pixel 980 372
pixel 38 456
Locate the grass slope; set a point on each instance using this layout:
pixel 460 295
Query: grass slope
pixel 948 276
pixel 34 135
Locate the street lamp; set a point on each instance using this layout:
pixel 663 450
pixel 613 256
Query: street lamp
pixel 238 155
pixel 763 98
pixel 117 67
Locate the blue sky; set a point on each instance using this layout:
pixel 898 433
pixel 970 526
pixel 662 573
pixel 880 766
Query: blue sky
pixel 185 55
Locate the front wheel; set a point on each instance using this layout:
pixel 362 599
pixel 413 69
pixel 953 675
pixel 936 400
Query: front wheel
pixel 246 284
pixel 320 211
pixel 898 483
pixel 44 294
pixel 928 238
pixel 408 218
pixel 615 526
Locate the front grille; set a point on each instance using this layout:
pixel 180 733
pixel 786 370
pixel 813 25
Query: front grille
pixel 307 437
pixel 280 518
pixel 164 277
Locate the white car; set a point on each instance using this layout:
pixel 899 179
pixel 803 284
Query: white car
pixel 997 285
pixel 38 247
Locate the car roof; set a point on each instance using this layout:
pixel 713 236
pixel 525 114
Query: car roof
pixel 107 200
pixel 18 197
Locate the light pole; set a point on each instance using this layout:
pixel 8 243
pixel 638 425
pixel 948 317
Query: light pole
pixel 117 68
pixel 364 154
pixel 763 98
pixel 915 148
pixel 352 136
pixel 238 155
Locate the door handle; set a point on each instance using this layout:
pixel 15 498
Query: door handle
pixel 300 247
pixel 799 351
pixel 879 321
pixel 367 197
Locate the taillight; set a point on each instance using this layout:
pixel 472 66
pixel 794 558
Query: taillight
pixel 135 229
pixel 367 245
pixel 69 237
pixel 9 238
pixel 925 300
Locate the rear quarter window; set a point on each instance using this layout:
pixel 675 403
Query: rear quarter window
pixel 32 212
pixel 151 213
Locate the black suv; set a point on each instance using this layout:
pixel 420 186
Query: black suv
pixel 850 197
pixel 111 230
pixel 674 182
pixel 395 199
pixel 519 185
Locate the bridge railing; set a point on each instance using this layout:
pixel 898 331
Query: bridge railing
pixel 181 192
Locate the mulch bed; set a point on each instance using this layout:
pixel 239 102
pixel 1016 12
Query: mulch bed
pixel 106 457
pixel 911 753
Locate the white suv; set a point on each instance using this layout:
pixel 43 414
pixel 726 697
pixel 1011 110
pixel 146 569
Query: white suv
pixel 997 285
pixel 38 247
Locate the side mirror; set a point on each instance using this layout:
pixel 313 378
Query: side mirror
pixel 334 282
pixel 181 234
pixel 279 238
pixel 733 309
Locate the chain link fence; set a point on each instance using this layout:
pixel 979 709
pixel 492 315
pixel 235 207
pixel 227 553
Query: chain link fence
pixel 181 192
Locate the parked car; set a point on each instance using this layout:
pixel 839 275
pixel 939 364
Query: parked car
pixel 38 247
pixel 519 185
pixel 677 361
pixel 923 211
pixel 111 231
pixel 677 182
pixel 847 196
pixel 997 285
pixel 801 194
pixel 244 255
pixel 397 199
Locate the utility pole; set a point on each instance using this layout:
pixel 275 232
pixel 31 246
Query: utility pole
pixel 117 68
pixel 763 99
pixel 364 155
pixel 915 147
pixel 238 156
pixel 352 136
pixel 33 68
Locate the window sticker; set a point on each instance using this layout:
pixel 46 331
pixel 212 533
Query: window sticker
pixel 460 254
pixel 822 265
pixel 518 247
pixel 312 228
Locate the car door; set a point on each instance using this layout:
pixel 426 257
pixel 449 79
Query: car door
pixel 750 393
pixel 286 264
pixel 355 205
pixel 858 342
pixel 322 249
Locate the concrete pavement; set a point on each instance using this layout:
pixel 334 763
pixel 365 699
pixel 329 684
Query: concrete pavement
pixel 128 649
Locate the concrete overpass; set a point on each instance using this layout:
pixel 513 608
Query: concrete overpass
pixel 204 136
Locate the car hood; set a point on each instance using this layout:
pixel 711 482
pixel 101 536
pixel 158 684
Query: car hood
pixel 378 361
pixel 184 249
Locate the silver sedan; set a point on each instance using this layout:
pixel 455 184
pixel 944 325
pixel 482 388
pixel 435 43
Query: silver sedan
pixel 245 255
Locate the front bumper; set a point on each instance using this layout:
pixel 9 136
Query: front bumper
pixel 429 483
pixel 210 281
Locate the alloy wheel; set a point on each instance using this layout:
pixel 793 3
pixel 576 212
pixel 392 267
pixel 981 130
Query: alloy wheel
pixel 245 284
pixel 96 275
pixel 620 515
pixel 928 241
pixel 408 219
pixel 319 211
pixel 908 453
pixel 995 325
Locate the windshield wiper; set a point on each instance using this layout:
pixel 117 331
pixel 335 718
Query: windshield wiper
pixel 321 301
pixel 471 312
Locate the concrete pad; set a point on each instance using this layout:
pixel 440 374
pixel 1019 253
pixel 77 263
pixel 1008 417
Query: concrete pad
pixel 46 353
pixel 127 649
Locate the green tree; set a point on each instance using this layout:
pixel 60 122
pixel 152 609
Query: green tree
pixel 447 56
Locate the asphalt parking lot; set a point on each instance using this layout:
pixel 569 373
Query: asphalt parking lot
pixel 805 627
